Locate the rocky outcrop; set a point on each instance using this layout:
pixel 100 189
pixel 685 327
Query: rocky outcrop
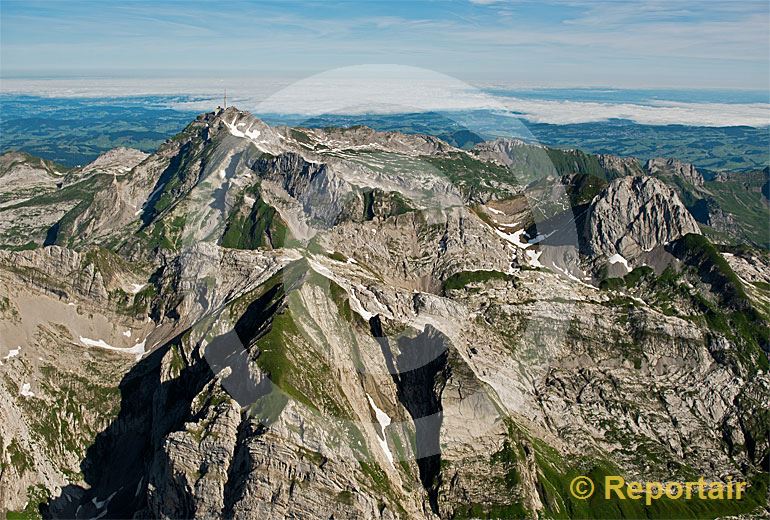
pixel 118 161
pixel 23 180
pixel 22 176
pixel 634 215
pixel 709 212
pixel 362 137
pixel 504 150
pixel 320 192
pixel 621 166
pixel 399 353
pixel 68 336
pixel 674 168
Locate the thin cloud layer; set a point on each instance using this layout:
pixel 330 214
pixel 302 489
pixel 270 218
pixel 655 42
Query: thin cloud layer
pixel 641 43
pixel 658 113
pixel 388 89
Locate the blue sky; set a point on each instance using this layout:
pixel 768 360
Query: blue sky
pixel 641 43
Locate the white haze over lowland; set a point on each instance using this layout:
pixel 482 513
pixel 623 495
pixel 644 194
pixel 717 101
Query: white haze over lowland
pixel 389 89
pixel 654 113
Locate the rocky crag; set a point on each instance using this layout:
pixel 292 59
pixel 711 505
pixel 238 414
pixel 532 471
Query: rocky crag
pixel 269 322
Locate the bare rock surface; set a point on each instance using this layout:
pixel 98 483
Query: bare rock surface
pixel 634 215
pixel 676 168
pixel 259 322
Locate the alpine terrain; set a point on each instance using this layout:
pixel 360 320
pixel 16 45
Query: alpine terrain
pixel 271 322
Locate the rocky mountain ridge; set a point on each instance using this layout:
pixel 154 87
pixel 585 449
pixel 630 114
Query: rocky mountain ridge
pixel 634 215
pixel 265 322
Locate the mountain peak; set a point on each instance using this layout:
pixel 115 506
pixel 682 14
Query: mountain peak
pixel 634 215
pixel 117 160
pixel 673 167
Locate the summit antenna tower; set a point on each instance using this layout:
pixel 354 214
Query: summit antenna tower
pixel 225 99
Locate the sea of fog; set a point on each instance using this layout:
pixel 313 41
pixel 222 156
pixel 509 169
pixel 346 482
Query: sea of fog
pixel 72 121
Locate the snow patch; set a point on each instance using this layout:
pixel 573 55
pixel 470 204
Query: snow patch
pixel 95 343
pixel 574 278
pixel 617 258
pixel 355 303
pixel 248 133
pixel 322 270
pixel 234 131
pixel 384 420
pixel 127 333
pixel 12 353
pixel 358 307
pixel 136 287
pixel 137 349
pixel 514 238
pixel 495 211
pixel 252 134
pixel 25 390
pixel 534 258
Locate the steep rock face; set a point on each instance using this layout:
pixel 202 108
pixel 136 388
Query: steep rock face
pixel 28 201
pixel 312 178
pixel 39 200
pixel 675 168
pixel 213 148
pixel 419 357
pixel 503 150
pixel 206 276
pixel 116 162
pixel 184 447
pixel 622 166
pixel 709 212
pixel 315 187
pixel 22 176
pixel 634 215
pixel 290 445
pixel 64 273
pixel 68 336
pixel 694 384
pixel 752 266
pixel 367 138
pixel 187 479
pixel 131 192
pixel 453 242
